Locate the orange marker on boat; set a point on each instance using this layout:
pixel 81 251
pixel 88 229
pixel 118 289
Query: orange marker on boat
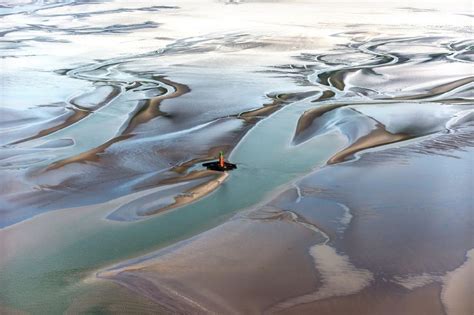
pixel 221 159
pixel 220 165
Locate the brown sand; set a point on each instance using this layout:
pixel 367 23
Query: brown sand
pixel 254 115
pixel 152 107
pixel 309 116
pixel 111 298
pixel 375 138
pixel 439 90
pixel 78 113
pixel 190 176
pixel 88 156
pixel 375 301
pixel 279 101
pixel 337 79
pixel 212 273
pixel 459 288
pixel 148 112
pixel 197 192
pixel 326 95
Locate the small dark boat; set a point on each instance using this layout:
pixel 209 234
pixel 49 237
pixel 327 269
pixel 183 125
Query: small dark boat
pixel 220 165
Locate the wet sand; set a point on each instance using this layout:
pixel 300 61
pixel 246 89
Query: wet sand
pixel 376 138
pixel 382 241
pixel 182 280
pixel 195 193
pixel 104 205
pixel 174 103
pixel 423 301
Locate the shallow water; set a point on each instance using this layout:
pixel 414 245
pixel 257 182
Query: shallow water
pixel 104 102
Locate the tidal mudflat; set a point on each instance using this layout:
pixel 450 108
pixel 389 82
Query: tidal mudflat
pixel 351 124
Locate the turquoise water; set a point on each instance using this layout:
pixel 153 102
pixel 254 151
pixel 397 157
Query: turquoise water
pixel 46 282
